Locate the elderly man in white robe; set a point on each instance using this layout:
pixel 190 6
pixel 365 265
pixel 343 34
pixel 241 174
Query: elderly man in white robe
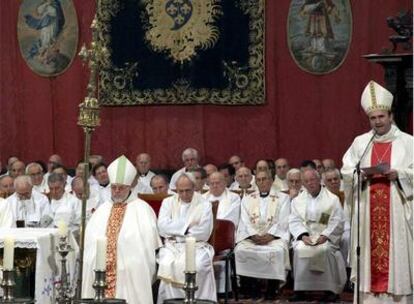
pixel 92 202
pixel 294 182
pixel 317 224
pixel 35 171
pixel 191 160
pixel 130 228
pixel 64 206
pixel 386 222
pixel 263 238
pixel 184 214
pixel 143 165
pixel 29 206
pixel 244 182
pixel 228 208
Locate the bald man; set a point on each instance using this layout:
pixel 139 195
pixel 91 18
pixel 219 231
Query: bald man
pixel 186 213
pixel 317 224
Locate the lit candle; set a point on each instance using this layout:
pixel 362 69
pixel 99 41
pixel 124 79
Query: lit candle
pixel 8 253
pixel 62 228
pixel 190 265
pixel 101 254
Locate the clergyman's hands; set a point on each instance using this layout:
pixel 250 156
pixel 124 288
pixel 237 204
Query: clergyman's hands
pixel 321 239
pixel 307 240
pixel 262 239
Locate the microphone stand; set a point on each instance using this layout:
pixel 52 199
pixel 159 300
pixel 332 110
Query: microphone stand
pixel 359 185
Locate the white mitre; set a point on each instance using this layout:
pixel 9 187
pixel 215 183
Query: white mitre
pixel 376 98
pixel 122 171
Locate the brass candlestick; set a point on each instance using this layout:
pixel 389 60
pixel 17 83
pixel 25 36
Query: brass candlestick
pixel 190 287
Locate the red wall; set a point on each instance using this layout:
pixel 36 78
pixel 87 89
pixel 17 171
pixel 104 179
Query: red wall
pixel 306 116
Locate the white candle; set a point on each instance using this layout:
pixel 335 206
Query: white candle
pixel 8 253
pixel 101 254
pixel 190 265
pixel 62 228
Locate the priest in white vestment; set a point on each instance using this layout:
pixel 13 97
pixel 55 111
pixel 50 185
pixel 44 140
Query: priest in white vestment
pixel 263 237
pixel 39 183
pixel 190 160
pixel 143 165
pixel 316 223
pixel 228 209
pixel 130 227
pixel 6 214
pixel 282 167
pixel 64 206
pixel 245 183
pixel 29 205
pixel 386 226
pixel 294 182
pixel 186 213
pixel 92 202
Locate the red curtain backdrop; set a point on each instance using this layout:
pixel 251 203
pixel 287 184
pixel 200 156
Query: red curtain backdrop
pixel 306 116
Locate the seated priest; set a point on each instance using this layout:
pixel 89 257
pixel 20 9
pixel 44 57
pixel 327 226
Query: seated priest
pixel 294 181
pixel 200 176
pixel 317 224
pixel 244 182
pixel 282 167
pixel 228 208
pixel 186 213
pixel 332 181
pixel 143 165
pixel 263 238
pixel 130 228
pixel 6 186
pixel 160 185
pixel 191 161
pixel 228 202
pixel 93 201
pixel 35 171
pixel 64 206
pixel 28 205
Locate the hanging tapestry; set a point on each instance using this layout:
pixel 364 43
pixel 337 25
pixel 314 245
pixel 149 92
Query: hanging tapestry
pixel 182 52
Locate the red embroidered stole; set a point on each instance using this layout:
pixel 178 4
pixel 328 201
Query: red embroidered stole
pixel 380 220
pixel 112 231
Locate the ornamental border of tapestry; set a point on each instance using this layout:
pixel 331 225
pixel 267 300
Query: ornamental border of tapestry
pixel 245 88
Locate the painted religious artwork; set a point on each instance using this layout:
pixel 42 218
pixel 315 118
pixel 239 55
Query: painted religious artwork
pixel 182 52
pixel 319 34
pixel 47 31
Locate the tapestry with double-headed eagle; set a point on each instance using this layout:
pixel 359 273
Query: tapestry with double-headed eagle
pixel 181 52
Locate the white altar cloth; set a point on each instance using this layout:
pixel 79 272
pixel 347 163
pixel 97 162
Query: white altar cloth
pixel 48 264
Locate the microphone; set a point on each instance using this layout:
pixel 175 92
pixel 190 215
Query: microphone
pixel 358 165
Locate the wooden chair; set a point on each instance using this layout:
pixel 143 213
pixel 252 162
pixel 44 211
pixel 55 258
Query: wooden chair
pixel 223 242
pixel 154 200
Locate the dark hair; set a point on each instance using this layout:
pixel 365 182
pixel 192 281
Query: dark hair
pixel 162 176
pixel 228 167
pixel 202 171
pixel 308 163
pixel 41 164
pixel 96 167
pixel 57 166
pixel 272 167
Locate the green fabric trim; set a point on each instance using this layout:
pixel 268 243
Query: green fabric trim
pixel 120 172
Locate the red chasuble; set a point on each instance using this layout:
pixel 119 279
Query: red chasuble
pixel 380 220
